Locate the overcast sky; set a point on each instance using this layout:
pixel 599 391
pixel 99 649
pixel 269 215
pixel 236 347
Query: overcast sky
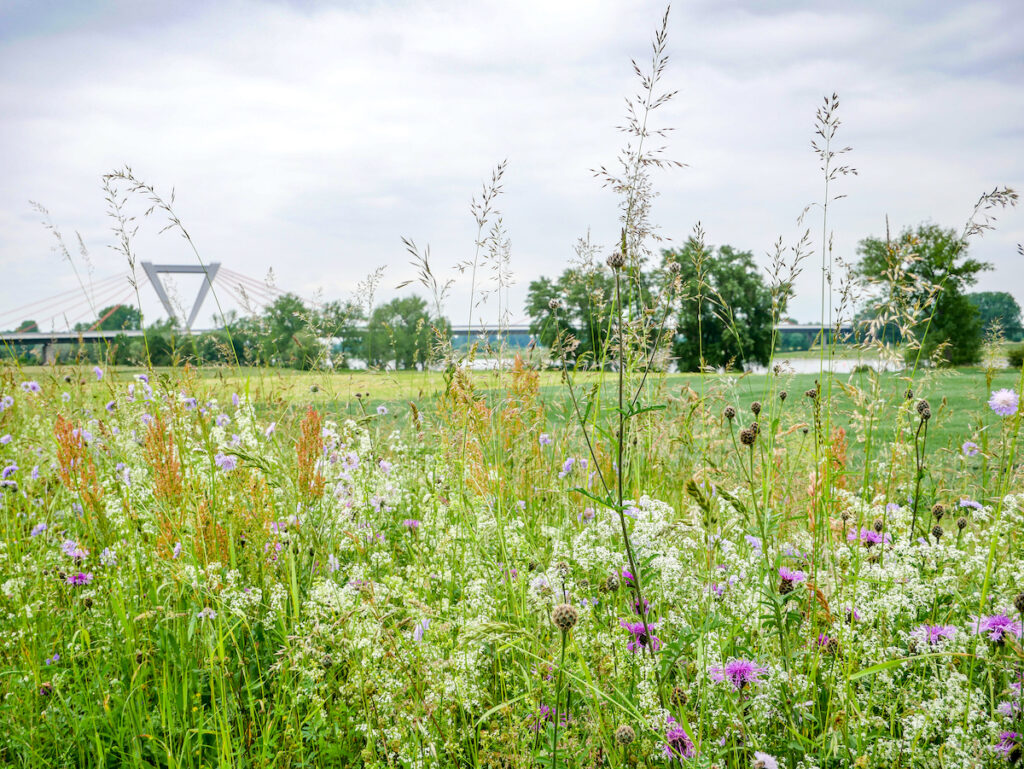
pixel 307 137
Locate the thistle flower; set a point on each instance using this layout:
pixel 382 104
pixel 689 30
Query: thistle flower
pixel 740 673
pixel 641 640
pixel 789 577
pixel 1004 402
pixel 1007 745
pixel 616 260
pixel 679 744
pixel 997 626
pixel 81 578
pixel 869 537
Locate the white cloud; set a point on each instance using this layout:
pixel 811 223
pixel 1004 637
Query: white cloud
pixel 308 138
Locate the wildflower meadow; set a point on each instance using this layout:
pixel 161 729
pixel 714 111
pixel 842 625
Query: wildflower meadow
pixel 544 562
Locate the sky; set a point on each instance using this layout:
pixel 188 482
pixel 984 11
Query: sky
pixel 304 139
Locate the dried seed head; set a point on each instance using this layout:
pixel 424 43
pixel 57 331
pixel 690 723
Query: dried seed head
pixel 747 436
pixel 937 532
pixel 923 406
pixel 756 407
pixel 961 523
pixel 811 393
pixel 625 734
pixel 555 304
pixel 910 394
pixel 938 511
pixel 678 696
pixel 674 268
pixel 139 656
pixel 729 412
pixel 612 583
pixel 1018 603
pixel 785 586
pixel 563 568
pixel 846 515
pixel 926 415
pixel 805 430
pixel 783 395
pixel 616 260
pixel 564 617
pixel 756 427
pixel 878 525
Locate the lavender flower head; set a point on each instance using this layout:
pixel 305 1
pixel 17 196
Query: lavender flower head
pixel 225 462
pixel 970 449
pixel 1004 402
pixel 739 673
pixel 869 537
pixel 545 439
pixel 73 550
pixel 421 628
pixel 382 410
pixel 567 467
pixel 31 386
pixel 98 372
pixel 997 626
pixel 764 761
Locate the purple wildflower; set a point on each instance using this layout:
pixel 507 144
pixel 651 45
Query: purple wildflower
pixel 223 420
pixel 970 503
pixel 385 466
pixel 225 462
pixel 739 673
pixel 567 467
pixel 111 405
pixel 997 626
pixel 421 628
pixel 81 578
pixel 545 439
pixel 1007 742
pixel 177 550
pixel 970 449
pixel 98 372
pixel 641 640
pixel 754 542
pixel 5 439
pixel 933 634
pixel 31 386
pixel 53 660
pixel 8 471
pixel 332 563
pixel 1004 402
pixel 869 537
pixel 679 745
pixel 73 550
pixel 764 761
pixel 791 575
pixel 6 402
pixel 382 410
pixel 38 529
pixel 411 524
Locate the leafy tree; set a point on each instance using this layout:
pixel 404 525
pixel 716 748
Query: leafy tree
pixel 342 323
pixel 289 340
pixel 26 326
pixel 726 312
pixel 928 269
pixel 1001 307
pixel 401 331
pixel 584 300
pixel 119 317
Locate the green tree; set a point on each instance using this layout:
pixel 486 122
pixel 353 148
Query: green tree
pixel 401 331
pixel 1001 307
pixel 583 300
pixel 342 323
pixel 725 317
pixel 289 340
pixel 119 317
pixel 928 269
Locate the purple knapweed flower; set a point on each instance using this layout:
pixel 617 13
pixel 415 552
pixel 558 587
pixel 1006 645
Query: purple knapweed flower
pixel 739 673
pixel 933 634
pixel 1004 402
pixel 791 575
pixel 81 578
pixel 1007 743
pixel 679 745
pixel 997 626
pixel 545 439
pixel 411 523
pixel 970 449
pixel 869 537
pixel 641 639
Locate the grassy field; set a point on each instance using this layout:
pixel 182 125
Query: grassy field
pixel 507 569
